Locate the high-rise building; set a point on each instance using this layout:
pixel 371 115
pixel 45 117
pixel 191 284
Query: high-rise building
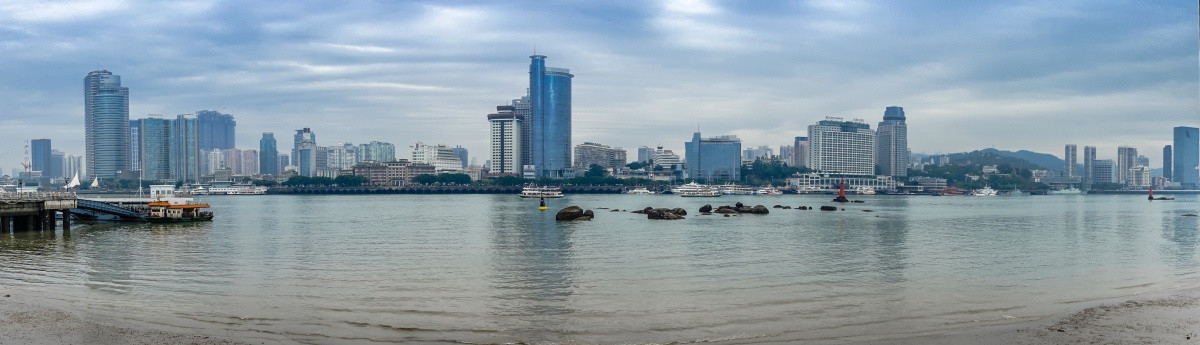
pixel 1069 159
pixel 524 107
pixel 106 124
pixel 461 153
pixel 764 152
pixel 304 152
pixel 507 139
pixel 135 146
pixel 1104 171
pixel 645 154
pixel 665 158
pixel 1126 160
pixel 216 130
pixel 1089 163
pixel 1142 161
pixel 891 153
pixel 841 147
pixel 56 164
pixel 788 153
pixel 341 157
pixel 39 149
pixel 550 104
pixel 713 159
pixel 154 148
pixel 376 151
pixel 1186 157
pixel 268 155
pixel 1166 169
pixel 800 150
pixel 441 157
pixel 605 156
pixel 72 165
pixel 185 149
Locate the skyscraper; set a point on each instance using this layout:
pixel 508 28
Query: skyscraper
pixel 1126 160
pixel 1103 171
pixel 1187 155
pixel 1069 160
pixel 800 150
pixel 550 105
pixel 377 151
pixel 268 155
pixel 461 153
pixel 304 151
pixel 891 154
pixel 39 149
pixel 154 148
pixel 1166 169
pixel 56 164
pixel 216 130
pixel 185 149
pixel 841 147
pixel 1089 163
pixel 713 159
pixel 507 133
pixel 106 124
pixel 522 106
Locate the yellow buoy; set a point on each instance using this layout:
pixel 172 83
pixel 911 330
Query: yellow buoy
pixel 542 205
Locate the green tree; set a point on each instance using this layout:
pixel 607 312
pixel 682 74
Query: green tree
pixel 425 179
pixel 636 165
pixel 454 178
pixel 350 180
pixel 595 170
pixel 509 181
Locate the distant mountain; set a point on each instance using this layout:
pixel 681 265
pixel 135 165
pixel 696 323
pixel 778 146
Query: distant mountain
pixel 1043 160
pixel 991 157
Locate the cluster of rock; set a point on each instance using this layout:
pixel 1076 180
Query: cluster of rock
pixel 662 213
pixel 735 209
pixel 574 213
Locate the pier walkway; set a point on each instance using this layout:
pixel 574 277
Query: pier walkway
pixel 35 211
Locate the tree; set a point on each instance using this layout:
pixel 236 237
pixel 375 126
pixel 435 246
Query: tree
pixel 595 170
pixel 636 165
pixel 509 181
pixel 350 180
pixel 425 179
pixel 454 178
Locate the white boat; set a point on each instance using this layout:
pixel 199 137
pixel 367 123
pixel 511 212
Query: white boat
pixel 986 191
pixel 693 189
pixel 532 191
pixel 864 190
pixel 1068 191
pixel 733 189
pixel 639 191
pixel 768 191
pixel 200 191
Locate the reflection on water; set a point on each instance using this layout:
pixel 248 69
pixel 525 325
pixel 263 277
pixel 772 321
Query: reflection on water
pixel 493 269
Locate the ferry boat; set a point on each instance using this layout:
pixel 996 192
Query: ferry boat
pixel 693 189
pixel 532 191
pixel 639 191
pixel 768 191
pixel 733 189
pixel 986 191
pixel 1068 191
pixel 864 190
pixel 166 212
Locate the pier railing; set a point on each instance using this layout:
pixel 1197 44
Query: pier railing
pixel 38 196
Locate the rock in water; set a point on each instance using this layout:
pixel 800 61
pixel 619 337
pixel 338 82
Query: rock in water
pixel 706 208
pixel 569 213
pixel 760 209
pixel 828 208
pixel 663 213
pixel 738 205
pixel 679 211
pixel 588 214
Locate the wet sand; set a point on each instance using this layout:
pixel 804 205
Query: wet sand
pixel 25 320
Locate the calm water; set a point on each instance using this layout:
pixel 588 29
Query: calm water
pixel 492 269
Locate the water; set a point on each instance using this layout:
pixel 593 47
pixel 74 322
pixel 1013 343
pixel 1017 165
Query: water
pixel 492 269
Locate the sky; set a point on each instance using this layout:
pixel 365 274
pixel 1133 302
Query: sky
pixel 970 74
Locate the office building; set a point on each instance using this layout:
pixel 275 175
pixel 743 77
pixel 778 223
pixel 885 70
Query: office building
pixel 507 138
pixel 524 107
pixel 39 150
pixel 605 156
pixel 135 146
pixel 1126 160
pixel 788 154
pixel 1104 171
pixel 665 158
pixel 713 159
pixel 216 130
pixel 72 165
pixel 1167 165
pixel 841 147
pixel 341 157
pixel 1069 159
pixel 304 152
pixel 800 150
pixel 461 153
pixel 268 155
pixel 1186 156
pixel 106 124
pixel 56 164
pixel 891 149
pixel 441 157
pixel 376 151
pixel 153 148
pixel 1089 163
pixel 185 149
pixel 645 154
pixel 550 105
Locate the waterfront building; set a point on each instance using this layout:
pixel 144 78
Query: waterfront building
pixel 800 150
pixel 39 150
pixel 713 159
pixel 268 157
pixel 841 147
pixel 393 173
pixel 605 156
pixel 1126 160
pixel 376 151
pixel 1089 163
pixel 249 164
pixel 106 124
pixel 304 152
pixel 930 183
pixel 441 157
pixel 507 140
pixel 1166 167
pixel 211 161
pixel 1186 157
pixel 645 154
pixel 340 157
pixel 1104 171
pixel 1069 159
pixel 216 130
pixel 524 107
pixel 550 105
pixel 284 162
pixel 135 155
pixel 814 182
pixel 461 153
pixel 891 149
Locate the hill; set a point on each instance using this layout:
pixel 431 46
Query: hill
pixel 995 157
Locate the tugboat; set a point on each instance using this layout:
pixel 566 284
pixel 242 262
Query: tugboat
pixel 166 212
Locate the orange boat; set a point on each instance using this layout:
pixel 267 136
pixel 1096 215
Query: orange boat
pixel 165 212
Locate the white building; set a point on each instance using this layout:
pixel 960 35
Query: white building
pixel 891 151
pixel 506 141
pixel 376 151
pixel 823 183
pixel 666 158
pixel 441 157
pixel 841 147
pixel 341 157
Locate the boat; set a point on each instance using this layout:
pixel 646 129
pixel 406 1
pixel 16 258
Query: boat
pixel 768 191
pixel 1068 191
pixel 693 189
pixel 533 191
pixel 864 190
pixel 986 191
pixel 733 189
pixel 166 212
pixel 639 191
pixel 200 190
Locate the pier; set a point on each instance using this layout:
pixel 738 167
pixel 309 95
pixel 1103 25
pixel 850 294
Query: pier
pixel 35 211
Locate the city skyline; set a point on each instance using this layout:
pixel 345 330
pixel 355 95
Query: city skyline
pixel 749 70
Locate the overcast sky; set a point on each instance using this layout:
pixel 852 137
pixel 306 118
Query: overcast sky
pixel 969 74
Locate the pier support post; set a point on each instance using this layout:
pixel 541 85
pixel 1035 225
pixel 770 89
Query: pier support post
pixel 48 220
pixel 66 221
pixel 5 224
pixel 20 223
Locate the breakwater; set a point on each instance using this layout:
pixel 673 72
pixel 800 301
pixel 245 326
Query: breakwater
pixel 420 189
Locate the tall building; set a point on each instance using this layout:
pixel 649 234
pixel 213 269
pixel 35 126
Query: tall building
pixel 764 152
pixel 341 157
pixel 605 156
pixel 304 152
pixel 891 153
pixel 1104 171
pixel 645 154
pixel 461 153
pixel 713 159
pixel 376 151
pixel 1186 157
pixel 800 150
pixel 841 147
pixel 441 157
pixel 1126 160
pixel 550 105
pixel 154 148
pixel 1069 159
pixel 185 149
pixel 524 107
pixel 787 152
pixel 1166 169
pixel 507 138
pixel 1142 161
pixel 1089 163
pixel 106 124
pixel 72 165
pixel 135 146
pixel 56 164
pixel 39 149
pixel 216 130
pixel 268 155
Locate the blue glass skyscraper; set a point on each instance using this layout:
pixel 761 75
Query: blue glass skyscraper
pixel 154 148
pixel 550 98
pixel 106 124
pixel 268 155
pixel 40 151
pixel 1187 156
pixel 713 159
pixel 216 130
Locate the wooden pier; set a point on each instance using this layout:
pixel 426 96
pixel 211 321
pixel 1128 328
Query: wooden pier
pixel 35 211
